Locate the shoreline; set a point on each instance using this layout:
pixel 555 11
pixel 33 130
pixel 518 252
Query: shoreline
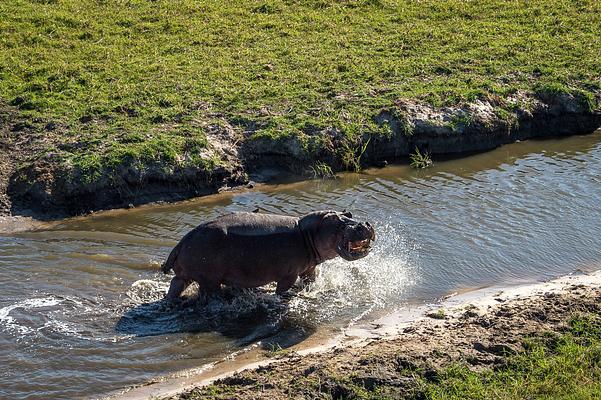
pixel 43 189
pixel 407 327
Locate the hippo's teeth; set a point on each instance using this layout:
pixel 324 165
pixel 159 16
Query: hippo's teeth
pixel 358 245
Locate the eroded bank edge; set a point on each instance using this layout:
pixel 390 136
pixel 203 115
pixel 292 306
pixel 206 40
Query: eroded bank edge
pixel 45 185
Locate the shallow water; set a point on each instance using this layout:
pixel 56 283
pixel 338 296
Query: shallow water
pixel 80 309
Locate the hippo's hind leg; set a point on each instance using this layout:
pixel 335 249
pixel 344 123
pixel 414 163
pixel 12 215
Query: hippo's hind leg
pixel 178 285
pixel 207 286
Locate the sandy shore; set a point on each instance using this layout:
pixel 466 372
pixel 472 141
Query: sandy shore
pixel 476 328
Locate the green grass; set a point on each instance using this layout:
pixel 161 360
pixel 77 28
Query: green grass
pixel 554 366
pixel 144 80
pixel 438 314
pixel 420 160
pixel 275 350
pixel 321 170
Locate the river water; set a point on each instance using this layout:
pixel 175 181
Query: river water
pixel 80 309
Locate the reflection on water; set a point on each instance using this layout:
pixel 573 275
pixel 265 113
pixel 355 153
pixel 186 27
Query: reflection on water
pixel 81 311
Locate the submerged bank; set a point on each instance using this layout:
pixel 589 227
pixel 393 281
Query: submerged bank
pixel 507 343
pixel 47 187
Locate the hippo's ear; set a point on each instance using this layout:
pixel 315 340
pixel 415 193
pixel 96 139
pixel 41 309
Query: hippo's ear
pixel 347 214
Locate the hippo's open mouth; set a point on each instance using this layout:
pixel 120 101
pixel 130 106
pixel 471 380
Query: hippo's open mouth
pixel 358 245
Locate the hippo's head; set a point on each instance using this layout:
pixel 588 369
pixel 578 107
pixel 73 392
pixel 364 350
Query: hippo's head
pixel 338 234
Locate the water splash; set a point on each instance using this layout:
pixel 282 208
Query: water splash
pixel 10 323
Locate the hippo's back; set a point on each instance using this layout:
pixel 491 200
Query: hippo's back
pixel 242 248
pixel 252 224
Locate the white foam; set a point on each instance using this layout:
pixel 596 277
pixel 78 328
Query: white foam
pixel 147 290
pixel 374 282
pixel 11 325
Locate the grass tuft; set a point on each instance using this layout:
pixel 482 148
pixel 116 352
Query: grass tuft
pixel 420 160
pixel 438 314
pixel 322 170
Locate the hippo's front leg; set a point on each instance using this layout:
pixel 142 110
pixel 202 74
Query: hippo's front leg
pixel 308 276
pixel 285 283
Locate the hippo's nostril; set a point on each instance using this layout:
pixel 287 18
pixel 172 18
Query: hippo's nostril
pixel 368 224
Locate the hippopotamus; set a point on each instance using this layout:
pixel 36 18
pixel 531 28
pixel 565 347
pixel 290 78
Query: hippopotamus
pixel 247 250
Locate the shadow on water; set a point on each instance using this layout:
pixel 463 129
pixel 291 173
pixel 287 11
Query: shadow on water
pixel 243 315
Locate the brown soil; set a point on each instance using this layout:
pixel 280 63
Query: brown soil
pixel 32 183
pixel 476 336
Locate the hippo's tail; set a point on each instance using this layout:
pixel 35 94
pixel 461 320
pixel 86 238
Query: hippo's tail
pixel 168 265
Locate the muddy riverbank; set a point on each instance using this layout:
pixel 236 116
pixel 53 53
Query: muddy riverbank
pixel 478 331
pixel 39 183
